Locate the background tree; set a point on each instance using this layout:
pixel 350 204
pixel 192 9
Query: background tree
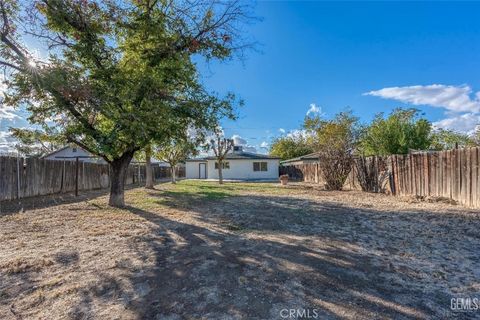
pixel 401 131
pixel 117 72
pixel 443 139
pixel 220 147
pixel 35 142
pixel 289 147
pixel 335 141
pixel 176 151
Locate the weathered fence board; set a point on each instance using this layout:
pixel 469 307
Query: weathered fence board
pixel 453 174
pixel 311 173
pixel 21 178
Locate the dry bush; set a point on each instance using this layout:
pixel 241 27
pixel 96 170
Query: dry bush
pixel 372 173
pixel 335 140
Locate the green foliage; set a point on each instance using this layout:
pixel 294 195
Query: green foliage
pixel 448 139
pixel 289 147
pixel 335 141
pixel 119 73
pixel 36 143
pixel 400 131
pixel 175 150
pixel 341 132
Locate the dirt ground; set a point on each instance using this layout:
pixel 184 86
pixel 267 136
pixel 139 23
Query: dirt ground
pixel 238 251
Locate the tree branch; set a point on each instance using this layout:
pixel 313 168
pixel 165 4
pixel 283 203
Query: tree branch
pixel 11 65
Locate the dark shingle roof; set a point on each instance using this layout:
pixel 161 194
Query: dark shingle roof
pixel 310 156
pixel 245 155
pixel 240 156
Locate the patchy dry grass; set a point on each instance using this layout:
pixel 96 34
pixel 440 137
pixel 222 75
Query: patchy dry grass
pixel 198 250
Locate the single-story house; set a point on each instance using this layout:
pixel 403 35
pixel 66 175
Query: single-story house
pixel 306 159
pixel 70 153
pixel 238 165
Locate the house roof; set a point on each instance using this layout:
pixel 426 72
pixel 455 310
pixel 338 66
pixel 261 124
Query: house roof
pixel 239 156
pixel 310 156
pixel 54 152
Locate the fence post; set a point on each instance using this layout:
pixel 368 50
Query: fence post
pixel 392 176
pixel 76 177
pixel 63 177
pixel 18 178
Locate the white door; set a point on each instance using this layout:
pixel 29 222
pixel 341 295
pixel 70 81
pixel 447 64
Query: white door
pixel 202 170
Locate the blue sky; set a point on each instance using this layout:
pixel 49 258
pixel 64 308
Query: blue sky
pixel 371 57
pixel 330 54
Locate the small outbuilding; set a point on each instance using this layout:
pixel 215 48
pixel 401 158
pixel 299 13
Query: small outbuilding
pixel 238 165
pixel 71 152
pixel 305 159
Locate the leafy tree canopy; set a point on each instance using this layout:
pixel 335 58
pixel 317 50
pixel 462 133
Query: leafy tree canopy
pixel 443 139
pixel 118 73
pixel 401 131
pixel 341 132
pixel 289 147
pixel 35 142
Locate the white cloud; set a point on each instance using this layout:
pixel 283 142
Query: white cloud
pixel 6 142
pixel 3 85
pixel 453 98
pixel 281 130
pixel 264 145
pixel 464 123
pixel 239 141
pixel 7 112
pixel 313 109
pixel 296 134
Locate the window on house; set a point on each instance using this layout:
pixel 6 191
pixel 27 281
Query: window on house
pixel 260 166
pixel 225 165
pixel 263 166
pixel 74 149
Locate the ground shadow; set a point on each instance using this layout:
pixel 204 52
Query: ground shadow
pixel 251 257
pixel 35 203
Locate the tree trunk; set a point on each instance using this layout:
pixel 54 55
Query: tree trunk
pixel 172 168
pixel 118 169
pixel 220 173
pixel 148 168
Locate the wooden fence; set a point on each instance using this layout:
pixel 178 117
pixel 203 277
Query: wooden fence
pixel 311 172
pixel 452 174
pixel 21 178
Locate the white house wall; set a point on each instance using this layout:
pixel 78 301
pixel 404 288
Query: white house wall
pixel 243 169
pixel 191 169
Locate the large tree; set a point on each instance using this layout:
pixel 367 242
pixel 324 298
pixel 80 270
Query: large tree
pixel 401 131
pixel 119 74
